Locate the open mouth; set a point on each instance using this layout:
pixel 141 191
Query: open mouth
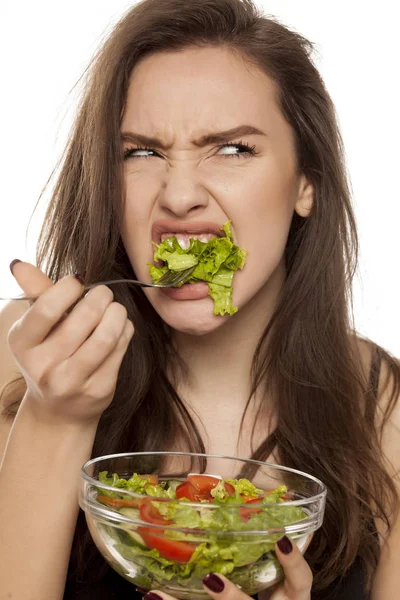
pixel 205 253
pixel 183 240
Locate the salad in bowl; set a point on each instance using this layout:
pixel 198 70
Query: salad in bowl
pixel 163 525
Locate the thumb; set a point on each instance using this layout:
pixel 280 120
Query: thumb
pixel 30 278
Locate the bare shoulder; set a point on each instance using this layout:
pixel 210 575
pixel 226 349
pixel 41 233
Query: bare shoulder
pixel 10 395
pixel 389 379
pixel 388 400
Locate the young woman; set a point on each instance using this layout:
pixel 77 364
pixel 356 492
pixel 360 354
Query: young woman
pixel 196 113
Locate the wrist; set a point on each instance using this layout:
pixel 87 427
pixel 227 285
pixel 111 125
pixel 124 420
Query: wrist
pixel 42 418
pixel 44 446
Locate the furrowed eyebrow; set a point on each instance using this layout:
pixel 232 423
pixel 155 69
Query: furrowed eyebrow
pixel 206 140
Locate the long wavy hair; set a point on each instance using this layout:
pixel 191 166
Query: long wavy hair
pixel 326 413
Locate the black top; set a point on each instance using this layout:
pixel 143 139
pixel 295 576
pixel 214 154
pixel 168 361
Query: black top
pixel 114 587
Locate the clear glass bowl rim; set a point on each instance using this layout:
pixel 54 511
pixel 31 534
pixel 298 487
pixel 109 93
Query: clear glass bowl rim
pixel 304 501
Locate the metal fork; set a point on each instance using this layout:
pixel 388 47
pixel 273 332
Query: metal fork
pixel 169 279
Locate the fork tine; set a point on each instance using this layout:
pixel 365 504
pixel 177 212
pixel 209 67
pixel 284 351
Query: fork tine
pixel 175 277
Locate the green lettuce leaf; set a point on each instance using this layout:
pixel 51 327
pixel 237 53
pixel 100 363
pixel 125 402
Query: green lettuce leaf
pixel 136 484
pixel 245 487
pixel 159 492
pixel 215 263
pixel 222 297
pixel 153 564
pixel 182 515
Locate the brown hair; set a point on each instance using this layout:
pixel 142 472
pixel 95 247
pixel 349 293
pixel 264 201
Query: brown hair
pixel 308 352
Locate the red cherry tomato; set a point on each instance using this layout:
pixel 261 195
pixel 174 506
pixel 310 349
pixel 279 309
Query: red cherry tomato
pixel 171 549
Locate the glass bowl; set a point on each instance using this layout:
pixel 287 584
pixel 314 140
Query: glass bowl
pixel 233 539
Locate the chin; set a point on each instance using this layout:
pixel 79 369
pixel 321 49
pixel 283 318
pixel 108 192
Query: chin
pixel 193 317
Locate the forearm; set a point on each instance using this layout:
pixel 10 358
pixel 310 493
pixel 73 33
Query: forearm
pixel 39 480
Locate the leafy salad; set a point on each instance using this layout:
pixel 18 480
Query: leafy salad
pixel 214 262
pixel 185 541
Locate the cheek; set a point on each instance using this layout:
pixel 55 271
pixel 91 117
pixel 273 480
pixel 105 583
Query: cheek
pixel 264 230
pixel 265 249
pixel 264 235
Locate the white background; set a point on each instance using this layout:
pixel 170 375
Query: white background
pixel 46 45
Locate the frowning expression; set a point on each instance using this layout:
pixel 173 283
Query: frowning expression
pixel 205 142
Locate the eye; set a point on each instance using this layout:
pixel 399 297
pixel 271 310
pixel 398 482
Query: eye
pixel 129 152
pixel 243 147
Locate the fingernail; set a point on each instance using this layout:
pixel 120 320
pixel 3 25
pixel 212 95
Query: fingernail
pixel 79 278
pixel 285 545
pixel 214 583
pixel 142 590
pixel 152 596
pixel 12 263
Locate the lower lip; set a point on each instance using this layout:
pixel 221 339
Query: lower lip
pixel 189 291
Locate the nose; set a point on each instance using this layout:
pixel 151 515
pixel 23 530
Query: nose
pixel 182 194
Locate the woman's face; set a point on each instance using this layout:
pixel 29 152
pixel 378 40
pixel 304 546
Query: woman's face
pixel 183 183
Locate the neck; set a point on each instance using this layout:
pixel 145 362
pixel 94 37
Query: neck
pixel 219 363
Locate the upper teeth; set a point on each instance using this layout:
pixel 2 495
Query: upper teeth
pixel 184 238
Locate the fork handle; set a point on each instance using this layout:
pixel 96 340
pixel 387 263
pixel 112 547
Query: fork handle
pixel 92 285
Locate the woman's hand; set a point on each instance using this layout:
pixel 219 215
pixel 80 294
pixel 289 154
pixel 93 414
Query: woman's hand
pixel 296 586
pixel 70 362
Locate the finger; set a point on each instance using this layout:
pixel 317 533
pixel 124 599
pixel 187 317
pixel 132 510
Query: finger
pixel 219 587
pixel 298 575
pixel 98 347
pixel 30 278
pixel 157 595
pixel 47 311
pixel 72 332
pixel 212 582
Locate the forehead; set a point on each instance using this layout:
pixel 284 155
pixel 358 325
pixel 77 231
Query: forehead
pixel 198 89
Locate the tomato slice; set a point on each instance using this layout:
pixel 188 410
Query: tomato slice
pixel 117 502
pixel 187 490
pixel 245 513
pixel 268 492
pixel 171 549
pixel 229 488
pixel 203 483
pixel 150 514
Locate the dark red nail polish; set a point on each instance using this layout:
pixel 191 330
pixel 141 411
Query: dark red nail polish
pixel 79 278
pixel 285 545
pixel 152 596
pixel 142 590
pixel 14 262
pixel 213 582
